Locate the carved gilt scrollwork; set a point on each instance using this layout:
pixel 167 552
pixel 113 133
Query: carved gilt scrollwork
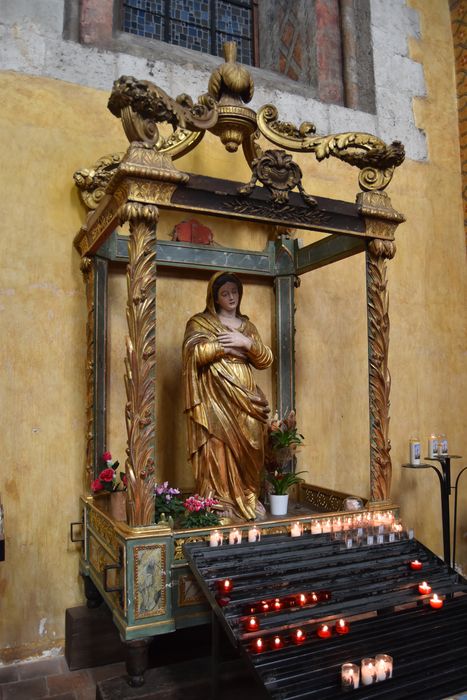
pixel 378 251
pixel 374 157
pixel 277 171
pixel 141 105
pixel 140 360
pixel 92 182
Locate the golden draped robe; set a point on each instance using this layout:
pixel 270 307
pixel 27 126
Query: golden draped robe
pixel 226 411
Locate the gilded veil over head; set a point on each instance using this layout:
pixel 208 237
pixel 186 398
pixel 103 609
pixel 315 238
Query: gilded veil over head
pixel 226 411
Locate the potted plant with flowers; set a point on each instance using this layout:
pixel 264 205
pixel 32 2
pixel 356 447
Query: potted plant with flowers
pixel 201 512
pixel 282 443
pixel 168 506
pixel 109 482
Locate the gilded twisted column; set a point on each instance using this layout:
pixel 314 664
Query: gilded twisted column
pixel 378 251
pixel 140 360
pixel 87 269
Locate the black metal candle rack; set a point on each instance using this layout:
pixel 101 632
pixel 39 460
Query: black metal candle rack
pixel 372 587
pixel 446 489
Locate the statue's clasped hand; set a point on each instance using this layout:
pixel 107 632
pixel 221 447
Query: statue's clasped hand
pixel 235 343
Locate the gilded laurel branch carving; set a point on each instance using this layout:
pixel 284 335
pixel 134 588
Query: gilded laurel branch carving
pixel 140 361
pixel 380 378
pixel 376 159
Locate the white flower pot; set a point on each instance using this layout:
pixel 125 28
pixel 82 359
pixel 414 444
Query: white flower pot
pixel 278 504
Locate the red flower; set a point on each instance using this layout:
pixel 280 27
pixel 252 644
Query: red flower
pixel 124 480
pixel 106 456
pixel 107 475
pixel 96 485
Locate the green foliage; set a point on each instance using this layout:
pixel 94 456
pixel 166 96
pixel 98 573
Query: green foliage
pixel 200 519
pixel 281 482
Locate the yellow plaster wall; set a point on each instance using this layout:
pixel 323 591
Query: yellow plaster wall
pixel 49 129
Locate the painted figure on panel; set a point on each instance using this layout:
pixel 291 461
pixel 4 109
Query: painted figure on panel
pixel 226 412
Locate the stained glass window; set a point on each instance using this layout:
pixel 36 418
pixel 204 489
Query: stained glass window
pixel 201 25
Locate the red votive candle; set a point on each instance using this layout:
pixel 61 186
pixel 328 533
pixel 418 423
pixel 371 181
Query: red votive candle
pixel 424 588
pixel 302 599
pixel 277 642
pixel 277 605
pixel 251 624
pixel 314 598
pixel 342 627
pixel 222 600
pixel 436 602
pixel 225 585
pixel 258 645
pixel 324 631
pixel 298 636
pixel 264 606
pixel 416 565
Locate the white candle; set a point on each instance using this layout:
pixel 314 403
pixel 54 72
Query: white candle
pixel 296 530
pixel 315 527
pixel 415 451
pixel 215 538
pixel 337 525
pixel 235 536
pixel 383 666
pixel 327 526
pixel 254 535
pixel 432 446
pixel 350 676
pixel 368 671
pixel 442 445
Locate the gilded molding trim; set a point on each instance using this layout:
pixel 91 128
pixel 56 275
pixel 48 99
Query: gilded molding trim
pixel 87 268
pixel 378 251
pixel 178 548
pixel 102 528
pixel 381 220
pixel 140 360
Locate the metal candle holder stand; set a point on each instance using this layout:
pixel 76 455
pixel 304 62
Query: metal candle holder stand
pixel 444 476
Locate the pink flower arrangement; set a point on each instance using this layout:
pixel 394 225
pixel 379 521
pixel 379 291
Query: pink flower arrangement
pixel 107 479
pixel 199 512
pixel 196 503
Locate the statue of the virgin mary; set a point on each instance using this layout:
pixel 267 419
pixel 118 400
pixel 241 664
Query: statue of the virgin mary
pixel 226 411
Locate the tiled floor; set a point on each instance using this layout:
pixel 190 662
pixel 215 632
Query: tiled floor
pixel 50 678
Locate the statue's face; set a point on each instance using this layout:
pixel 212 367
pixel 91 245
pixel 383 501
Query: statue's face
pixel 227 297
